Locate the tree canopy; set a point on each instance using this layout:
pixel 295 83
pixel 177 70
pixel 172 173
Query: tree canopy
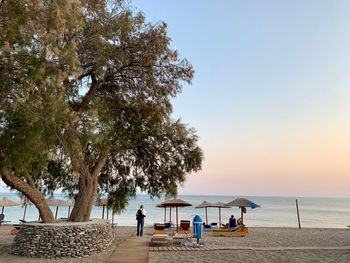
pixel 85 97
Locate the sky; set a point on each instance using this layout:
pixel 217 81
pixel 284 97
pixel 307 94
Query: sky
pixel 270 99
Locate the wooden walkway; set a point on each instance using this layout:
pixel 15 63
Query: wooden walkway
pixel 132 250
pixel 177 248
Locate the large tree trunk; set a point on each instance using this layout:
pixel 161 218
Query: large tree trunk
pixel 85 198
pixel 88 186
pixel 32 193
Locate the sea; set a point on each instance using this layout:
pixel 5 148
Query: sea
pixel 315 212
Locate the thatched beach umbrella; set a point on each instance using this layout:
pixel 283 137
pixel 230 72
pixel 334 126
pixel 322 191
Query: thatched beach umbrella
pixel 205 205
pixel 242 203
pixel 57 203
pixel 7 202
pixel 220 205
pixel 174 203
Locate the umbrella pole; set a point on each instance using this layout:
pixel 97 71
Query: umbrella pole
pixel 206 215
pixel 170 216
pixel 164 215
pixel 2 211
pixel 220 216
pixel 107 212
pixel 242 214
pixel 177 219
pixel 25 211
pixel 68 211
pixel 56 212
pixel 103 212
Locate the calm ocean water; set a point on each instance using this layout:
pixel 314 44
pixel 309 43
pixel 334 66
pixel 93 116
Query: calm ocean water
pixel 274 211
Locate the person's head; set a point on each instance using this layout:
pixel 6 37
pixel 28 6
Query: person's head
pixel 141 206
pixel 232 216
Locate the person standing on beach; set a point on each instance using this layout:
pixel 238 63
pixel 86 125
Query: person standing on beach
pixel 140 217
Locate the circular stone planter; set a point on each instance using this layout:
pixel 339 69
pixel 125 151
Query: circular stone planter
pixel 63 239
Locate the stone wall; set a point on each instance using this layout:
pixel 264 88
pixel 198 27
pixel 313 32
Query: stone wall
pixel 63 239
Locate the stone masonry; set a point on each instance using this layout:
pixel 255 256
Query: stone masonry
pixel 63 239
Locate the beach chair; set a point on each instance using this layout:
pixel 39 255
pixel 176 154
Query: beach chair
pixel 185 227
pixel 159 229
pixel 160 239
pixel 212 225
pixel 239 231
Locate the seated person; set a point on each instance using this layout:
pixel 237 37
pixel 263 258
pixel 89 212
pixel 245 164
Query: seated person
pixel 240 222
pixel 232 222
pixel 206 225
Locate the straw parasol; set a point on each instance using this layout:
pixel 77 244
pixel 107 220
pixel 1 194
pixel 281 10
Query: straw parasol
pixel 102 202
pixel 220 205
pixel 7 202
pixel 174 203
pixel 242 203
pixel 57 203
pixel 205 205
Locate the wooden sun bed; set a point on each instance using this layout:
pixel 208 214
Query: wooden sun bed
pixel 160 239
pixel 240 231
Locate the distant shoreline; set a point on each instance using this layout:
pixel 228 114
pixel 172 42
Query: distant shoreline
pixel 231 195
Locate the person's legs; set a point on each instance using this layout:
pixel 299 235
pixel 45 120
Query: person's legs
pixel 141 223
pixel 138 227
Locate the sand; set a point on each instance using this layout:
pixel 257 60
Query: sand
pixel 261 245
pixel 268 245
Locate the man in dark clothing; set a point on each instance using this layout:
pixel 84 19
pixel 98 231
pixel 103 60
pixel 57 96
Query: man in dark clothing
pixel 232 222
pixel 140 217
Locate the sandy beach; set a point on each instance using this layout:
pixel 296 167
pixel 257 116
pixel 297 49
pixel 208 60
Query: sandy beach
pixel 261 245
pixel 268 245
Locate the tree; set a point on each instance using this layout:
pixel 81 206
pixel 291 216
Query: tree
pixel 85 96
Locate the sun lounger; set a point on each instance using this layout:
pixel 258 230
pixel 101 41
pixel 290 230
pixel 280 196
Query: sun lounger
pixel 159 229
pixel 239 231
pixel 185 227
pixel 160 239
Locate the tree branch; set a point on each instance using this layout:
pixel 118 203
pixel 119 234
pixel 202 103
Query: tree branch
pixel 101 161
pixel 88 96
pixel 33 194
pixel 30 181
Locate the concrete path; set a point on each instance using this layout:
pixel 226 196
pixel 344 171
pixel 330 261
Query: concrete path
pixel 132 250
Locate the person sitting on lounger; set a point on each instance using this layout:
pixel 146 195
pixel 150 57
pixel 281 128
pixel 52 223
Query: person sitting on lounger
pixel 232 222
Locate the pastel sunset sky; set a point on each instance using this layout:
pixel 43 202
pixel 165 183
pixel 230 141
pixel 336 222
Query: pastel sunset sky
pixel 271 95
pixel 270 99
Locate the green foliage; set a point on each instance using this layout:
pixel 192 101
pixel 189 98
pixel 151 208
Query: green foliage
pixel 78 78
